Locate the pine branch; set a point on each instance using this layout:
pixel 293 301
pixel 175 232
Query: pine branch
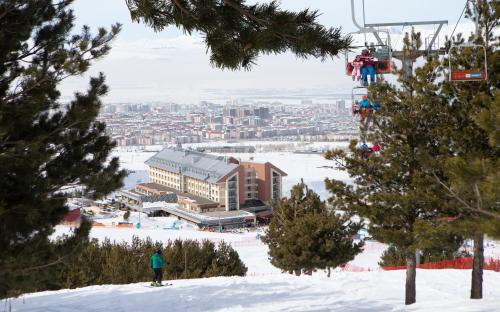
pixel 465 203
pixel 236 33
pixel 184 10
pixel 43 147
pixel 246 13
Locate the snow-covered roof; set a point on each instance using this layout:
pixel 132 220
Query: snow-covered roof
pixel 193 164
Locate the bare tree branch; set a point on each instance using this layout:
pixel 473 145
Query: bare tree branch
pixel 463 202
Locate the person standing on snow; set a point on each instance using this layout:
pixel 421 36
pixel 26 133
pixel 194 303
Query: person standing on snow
pixel 156 263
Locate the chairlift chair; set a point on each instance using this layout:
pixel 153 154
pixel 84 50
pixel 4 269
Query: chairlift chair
pixel 357 94
pixel 381 52
pixel 474 74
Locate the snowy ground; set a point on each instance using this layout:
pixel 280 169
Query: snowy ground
pixel 443 290
pixel 265 288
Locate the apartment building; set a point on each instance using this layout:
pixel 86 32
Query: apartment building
pixel 203 181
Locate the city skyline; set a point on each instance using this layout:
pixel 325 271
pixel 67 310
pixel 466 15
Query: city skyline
pixel 172 123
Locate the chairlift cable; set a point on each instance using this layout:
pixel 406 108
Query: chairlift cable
pixel 458 21
pixel 364 21
pixel 452 33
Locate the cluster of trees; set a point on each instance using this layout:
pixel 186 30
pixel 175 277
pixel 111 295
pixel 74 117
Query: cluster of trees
pixel 437 174
pixel 436 180
pixel 109 262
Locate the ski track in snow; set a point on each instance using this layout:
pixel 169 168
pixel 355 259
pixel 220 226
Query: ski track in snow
pixel 444 290
pixel 265 288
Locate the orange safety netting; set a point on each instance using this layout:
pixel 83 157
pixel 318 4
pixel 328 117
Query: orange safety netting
pixel 459 264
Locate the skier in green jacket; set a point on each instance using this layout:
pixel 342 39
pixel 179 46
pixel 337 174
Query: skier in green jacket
pixel 156 262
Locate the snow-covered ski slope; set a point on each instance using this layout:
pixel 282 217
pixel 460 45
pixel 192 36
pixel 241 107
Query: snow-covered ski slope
pixel 265 288
pixel 437 290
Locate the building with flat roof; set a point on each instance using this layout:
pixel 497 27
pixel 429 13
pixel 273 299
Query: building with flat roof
pixel 205 182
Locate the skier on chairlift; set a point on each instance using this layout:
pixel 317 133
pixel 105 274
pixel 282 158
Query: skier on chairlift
pixel 365 151
pixel 368 67
pixel 356 68
pixel 365 108
pixel 355 108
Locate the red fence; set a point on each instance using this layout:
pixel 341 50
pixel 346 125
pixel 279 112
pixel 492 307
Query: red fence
pixel 459 264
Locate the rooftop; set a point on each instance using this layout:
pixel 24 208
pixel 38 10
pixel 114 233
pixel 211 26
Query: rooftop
pixel 193 164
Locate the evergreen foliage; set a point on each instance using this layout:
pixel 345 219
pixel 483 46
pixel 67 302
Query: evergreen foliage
pixel 236 33
pixel 46 145
pixel 304 235
pixel 472 169
pixel 439 164
pixel 123 263
pixel 474 130
pixel 126 215
pixel 392 257
pixel 396 189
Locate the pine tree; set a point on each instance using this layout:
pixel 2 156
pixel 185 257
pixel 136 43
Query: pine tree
pixel 472 170
pixel 126 215
pixel 395 189
pixel 228 261
pixel 237 33
pixel 304 235
pixel 46 145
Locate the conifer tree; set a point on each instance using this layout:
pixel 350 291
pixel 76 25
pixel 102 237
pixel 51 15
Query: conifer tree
pixel 236 33
pixel 473 135
pixel 126 215
pixel 46 145
pixel 304 235
pixel 395 188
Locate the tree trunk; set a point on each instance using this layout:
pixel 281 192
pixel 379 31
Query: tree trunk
pixel 329 271
pixel 297 272
pixel 476 291
pixel 411 272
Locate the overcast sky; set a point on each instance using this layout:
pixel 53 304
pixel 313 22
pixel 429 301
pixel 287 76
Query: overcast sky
pixel 170 66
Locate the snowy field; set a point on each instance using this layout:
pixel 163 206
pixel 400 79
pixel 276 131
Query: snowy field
pixel 313 168
pixel 265 288
pixel 443 290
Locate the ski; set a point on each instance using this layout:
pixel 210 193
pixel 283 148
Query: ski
pixel 162 285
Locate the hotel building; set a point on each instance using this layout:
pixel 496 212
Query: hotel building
pixel 205 182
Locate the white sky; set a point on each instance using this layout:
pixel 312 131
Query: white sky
pixel 169 66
